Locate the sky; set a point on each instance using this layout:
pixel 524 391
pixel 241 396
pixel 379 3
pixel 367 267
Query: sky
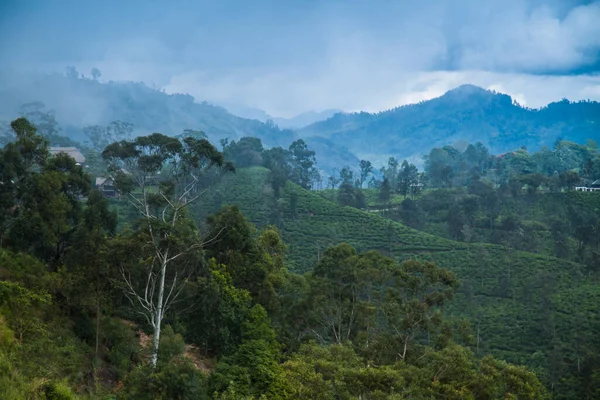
pixel 287 57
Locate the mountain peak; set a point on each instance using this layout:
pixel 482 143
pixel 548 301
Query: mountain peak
pixel 468 89
pixel 475 96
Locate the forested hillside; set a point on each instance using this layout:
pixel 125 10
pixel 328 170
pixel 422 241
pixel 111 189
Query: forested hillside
pixel 467 113
pixel 131 298
pixel 524 201
pixel 78 102
pixel 72 106
pixel 523 306
pixel 300 200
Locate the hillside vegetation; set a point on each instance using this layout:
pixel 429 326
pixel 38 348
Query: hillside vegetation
pixel 524 307
pixel 159 309
pixel 421 269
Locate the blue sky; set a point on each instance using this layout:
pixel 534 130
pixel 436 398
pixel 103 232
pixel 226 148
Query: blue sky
pixel 291 56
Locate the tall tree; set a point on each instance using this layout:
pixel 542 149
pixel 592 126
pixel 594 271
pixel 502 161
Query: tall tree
pixel 45 122
pixel 385 193
pixel 244 153
pixel 366 168
pixel 101 136
pixel 407 177
pixel 303 163
pixel 346 192
pixel 165 173
pixel 95 73
pixel 391 304
pixel 391 173
pixel 277 159
pixel 18 161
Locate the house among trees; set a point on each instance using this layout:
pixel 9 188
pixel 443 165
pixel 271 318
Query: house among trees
pixel 106 185
pixel 71 151
pixel 592 187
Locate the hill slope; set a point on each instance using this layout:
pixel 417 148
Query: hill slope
pixel 81 102
pixel 295 122
pixel 525 307
pixel 466 113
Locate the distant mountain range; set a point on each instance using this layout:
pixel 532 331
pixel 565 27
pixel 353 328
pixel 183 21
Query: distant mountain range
pixel 467 113
pixel 296 122
pixel 81 102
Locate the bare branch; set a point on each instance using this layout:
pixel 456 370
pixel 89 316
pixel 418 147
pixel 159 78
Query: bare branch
pixel 132 292
pixel 173 284
pixel 168 201
pixel 214 238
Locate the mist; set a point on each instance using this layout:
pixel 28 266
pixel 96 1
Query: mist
pixel 287 58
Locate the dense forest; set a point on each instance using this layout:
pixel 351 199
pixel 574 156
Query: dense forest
pixel 300 200
pixel 226 274
pixel 140 296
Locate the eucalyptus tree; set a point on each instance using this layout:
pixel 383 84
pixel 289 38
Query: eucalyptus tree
pixel 407 177
pixel 161 176
pixel 303 171
pixel 371 300
pixel 366 168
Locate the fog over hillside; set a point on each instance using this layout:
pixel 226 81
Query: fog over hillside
pixel 466 113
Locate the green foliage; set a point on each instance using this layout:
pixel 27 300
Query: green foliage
pixel 215 325
pixel 36 345
pixel 39 195
pixel 253 369
pixel 386 305
pixel 178 380
pixel 171 345
pixel 55 391
pixel 383 307
pixel 254 263
pixel 244 153
pixel 337 372
pixel 302 160
pixel 123 348
pixel 501 289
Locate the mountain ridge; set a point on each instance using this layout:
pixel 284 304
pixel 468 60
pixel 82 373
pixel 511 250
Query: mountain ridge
pixel 295 122
pixel 81 102
pixel 467 112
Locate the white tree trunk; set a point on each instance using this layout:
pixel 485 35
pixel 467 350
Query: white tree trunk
pixel 159 309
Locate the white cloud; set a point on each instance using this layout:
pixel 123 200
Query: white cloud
pixel 282 94
pixel 289 57
pixel 524 36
